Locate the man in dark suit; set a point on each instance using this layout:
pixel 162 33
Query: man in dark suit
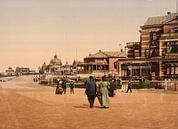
pixel 64 85
pixel 90 90
pixel 129 87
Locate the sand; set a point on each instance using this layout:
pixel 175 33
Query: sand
pixel 28 105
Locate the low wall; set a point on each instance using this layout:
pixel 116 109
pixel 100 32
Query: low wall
pixel 167 85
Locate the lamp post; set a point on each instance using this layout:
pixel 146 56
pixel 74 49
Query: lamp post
pixel 120 45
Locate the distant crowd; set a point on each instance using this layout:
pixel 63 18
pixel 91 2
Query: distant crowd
pixel 62 86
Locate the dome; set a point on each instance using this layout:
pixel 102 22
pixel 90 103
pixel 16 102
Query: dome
pixel 44 65
pixel 55 61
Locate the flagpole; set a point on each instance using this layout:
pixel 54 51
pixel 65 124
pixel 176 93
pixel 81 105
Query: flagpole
pixel 76 55
pixel 176 6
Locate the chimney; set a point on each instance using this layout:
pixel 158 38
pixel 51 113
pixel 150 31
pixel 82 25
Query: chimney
pixel 168 15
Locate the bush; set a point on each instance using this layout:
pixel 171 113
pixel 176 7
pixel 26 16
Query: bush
pixel 144 83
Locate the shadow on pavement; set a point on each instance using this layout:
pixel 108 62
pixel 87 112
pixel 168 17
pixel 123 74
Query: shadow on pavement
pixel 82 106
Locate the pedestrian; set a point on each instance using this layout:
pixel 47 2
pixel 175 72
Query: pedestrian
pixel 119 83
pixel 64 85
pixel 98 93
pixel 104 92
pixel 59 89
pixel 122 85
pixel 90 90
pixel 34 79
pixel 129 87
pixel 112 87
pixel 71 85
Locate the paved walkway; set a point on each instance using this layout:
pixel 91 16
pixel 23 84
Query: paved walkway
pixel 27 105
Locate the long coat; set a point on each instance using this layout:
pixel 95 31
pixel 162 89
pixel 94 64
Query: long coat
pixel 90 87
pixel 104 93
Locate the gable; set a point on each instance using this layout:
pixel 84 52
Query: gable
pixel 106 54
pixel 100 55
pixel 111 53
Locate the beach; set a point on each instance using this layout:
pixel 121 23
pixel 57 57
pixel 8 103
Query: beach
pixel 25 104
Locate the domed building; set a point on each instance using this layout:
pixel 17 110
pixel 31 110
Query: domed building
pixel 55 67
pixel 55 61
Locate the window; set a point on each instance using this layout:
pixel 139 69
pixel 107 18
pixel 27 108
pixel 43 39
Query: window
pixel 154 45
pixel 136 72
pixel 176 30
pixel 154 52
pixel 153 36
pixel 168 70
pixel 151 52
pixel 168 47
pixel 172 47
pixel 136 46
pixel 115 65
pixel 137 55
pixel 172 69
pixel 136 51
pixel 147 53
pixel 176 70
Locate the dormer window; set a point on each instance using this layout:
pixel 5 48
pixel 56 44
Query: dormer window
pixel 154 45
pixel 153 36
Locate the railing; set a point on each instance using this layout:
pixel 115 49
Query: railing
pixel 84 72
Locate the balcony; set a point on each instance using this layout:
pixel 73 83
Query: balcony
pixel 169 36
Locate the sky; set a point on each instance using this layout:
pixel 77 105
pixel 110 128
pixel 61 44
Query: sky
pixel 32 31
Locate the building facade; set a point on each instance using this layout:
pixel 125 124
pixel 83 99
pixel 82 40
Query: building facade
pixel 103 62
pixel 155 57
pixel 55 67
pixel 24 71
pixel 10 72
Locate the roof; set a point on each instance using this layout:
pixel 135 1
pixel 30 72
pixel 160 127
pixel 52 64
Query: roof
pixel 159 20
pixel 106 54
pixel 55 61
pixel 44 65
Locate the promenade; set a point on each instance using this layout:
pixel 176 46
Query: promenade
pixel 28 105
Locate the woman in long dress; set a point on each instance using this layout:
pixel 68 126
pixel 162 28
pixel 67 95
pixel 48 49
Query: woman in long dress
pixel 104 92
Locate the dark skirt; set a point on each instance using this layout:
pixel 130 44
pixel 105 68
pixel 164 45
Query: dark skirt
pixel 59 90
